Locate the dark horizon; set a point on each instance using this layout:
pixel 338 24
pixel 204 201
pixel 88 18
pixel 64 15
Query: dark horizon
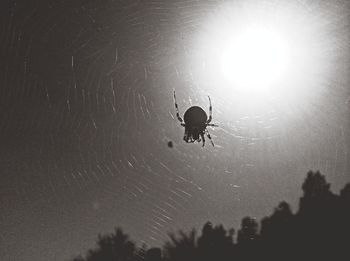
pixel 90 139
pixel 317 230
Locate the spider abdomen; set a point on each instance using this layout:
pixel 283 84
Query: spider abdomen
pixel 195 116
pixel 195 121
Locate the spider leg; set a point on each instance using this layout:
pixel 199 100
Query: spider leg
pixel 211 140
pixel 203 139
pixel 212 125
pixel 177 110
pixel 210 111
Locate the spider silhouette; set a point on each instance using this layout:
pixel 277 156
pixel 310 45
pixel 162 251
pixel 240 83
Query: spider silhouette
pixel 195 121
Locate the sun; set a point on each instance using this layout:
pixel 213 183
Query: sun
pixel 254 59
pixel 274 54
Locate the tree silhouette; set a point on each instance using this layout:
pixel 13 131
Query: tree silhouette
pixel 215 243
pixel 247 239
pixel 319 230
pixel 343 225
pixel 181 248
pixel 278 223
pixel 317 218
pixel 317 195
pixel 277 233
pixel 153 254
pixel 111 247
pixel 248 232
pixel 345 195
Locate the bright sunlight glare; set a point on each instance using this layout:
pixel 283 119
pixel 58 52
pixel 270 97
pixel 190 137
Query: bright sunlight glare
pixel 254 59
pixel 272 54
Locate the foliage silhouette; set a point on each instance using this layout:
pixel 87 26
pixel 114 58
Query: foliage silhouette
pixel 153 254
pixel 215 243
pixel 319 230
pixel 247 240
pixel 181 248
pixel 111 247
pixel 277 233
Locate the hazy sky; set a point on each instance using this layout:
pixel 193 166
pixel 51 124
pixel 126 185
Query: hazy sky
pixel 86 112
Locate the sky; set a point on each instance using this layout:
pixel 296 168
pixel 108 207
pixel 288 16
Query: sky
pixel 87 111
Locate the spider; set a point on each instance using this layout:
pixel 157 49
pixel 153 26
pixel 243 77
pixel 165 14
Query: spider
pixel 195 121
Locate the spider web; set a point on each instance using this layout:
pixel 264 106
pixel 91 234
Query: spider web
pixel 87 111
